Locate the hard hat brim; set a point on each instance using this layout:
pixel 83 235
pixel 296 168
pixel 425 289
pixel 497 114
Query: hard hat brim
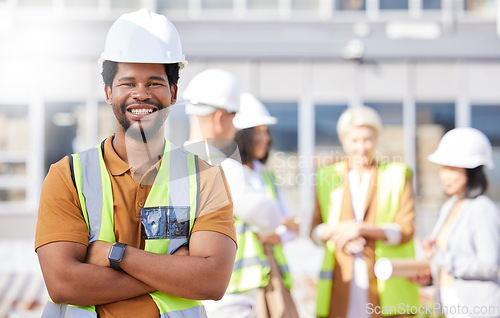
pixel 457 162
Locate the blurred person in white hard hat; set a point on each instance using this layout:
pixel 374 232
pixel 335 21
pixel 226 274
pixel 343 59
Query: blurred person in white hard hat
pixel 364 210
pixel 261 273
pixel 213 98
pixel 464 247
pixel 136 227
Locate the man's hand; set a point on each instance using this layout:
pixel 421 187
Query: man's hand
pixel 270 239
pixel 291 223
pixel 423 278
pixel 355 246
pixel 344 232
pixel 97 253
pixel 427 247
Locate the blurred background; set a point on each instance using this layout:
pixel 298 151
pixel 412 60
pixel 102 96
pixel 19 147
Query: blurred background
pixel 426 65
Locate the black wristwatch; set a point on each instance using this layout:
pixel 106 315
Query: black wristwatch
pixel 116 255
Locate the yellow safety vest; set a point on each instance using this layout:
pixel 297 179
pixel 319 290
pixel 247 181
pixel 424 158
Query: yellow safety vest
pixel 251 268
pixel 396 294
pixel 176 189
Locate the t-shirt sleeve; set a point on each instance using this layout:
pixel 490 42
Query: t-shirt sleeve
pixel 59 214
pixel 215 211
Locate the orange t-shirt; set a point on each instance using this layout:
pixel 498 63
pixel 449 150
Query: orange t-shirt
pixel 60 217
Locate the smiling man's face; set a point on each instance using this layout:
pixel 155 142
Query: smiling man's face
pixel 141 97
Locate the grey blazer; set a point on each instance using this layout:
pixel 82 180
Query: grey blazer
pixel 473 252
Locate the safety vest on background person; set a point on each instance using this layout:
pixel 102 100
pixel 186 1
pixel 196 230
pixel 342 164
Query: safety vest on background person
pixel 391 179
pixel 175 190
pixel 251 267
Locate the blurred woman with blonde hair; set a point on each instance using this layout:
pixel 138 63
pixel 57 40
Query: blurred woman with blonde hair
pixel 364 210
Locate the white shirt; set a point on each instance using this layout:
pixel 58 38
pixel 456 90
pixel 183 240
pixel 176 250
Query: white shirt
pixel 358 293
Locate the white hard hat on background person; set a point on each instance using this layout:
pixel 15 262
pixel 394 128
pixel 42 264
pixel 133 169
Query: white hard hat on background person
pixel 252 113
pixel 143 37
pixel 210 90
pixel 464 148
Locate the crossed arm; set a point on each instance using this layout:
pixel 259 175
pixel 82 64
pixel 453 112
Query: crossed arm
pixel 80 276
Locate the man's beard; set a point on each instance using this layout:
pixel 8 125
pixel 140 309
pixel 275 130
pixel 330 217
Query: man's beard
pixel 137 131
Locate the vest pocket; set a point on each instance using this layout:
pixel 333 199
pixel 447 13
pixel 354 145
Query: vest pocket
pixel 165 222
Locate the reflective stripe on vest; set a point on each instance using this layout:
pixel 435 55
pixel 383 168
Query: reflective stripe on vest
pixel 391 179
pixel 176 187
pixel 272 192
pixel 251 268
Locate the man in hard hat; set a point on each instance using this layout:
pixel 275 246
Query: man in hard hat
pixel 213 97
pixel 135 227
pixel 212 100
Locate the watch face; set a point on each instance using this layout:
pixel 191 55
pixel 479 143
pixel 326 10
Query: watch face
pixel 116 253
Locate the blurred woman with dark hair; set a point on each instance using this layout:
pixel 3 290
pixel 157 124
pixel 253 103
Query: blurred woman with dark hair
pixel 465 243
pixel 261 268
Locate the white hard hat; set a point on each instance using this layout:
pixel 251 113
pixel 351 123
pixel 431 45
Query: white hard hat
pixel 212 89
pixel 464 148
pixel 252 113
pixel 143 37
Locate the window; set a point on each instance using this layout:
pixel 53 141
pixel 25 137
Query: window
pixel 284 133
pixel 349 5
pixel 126 4
pixel 172 5
pixel 326 118
pixel 14 152
pixel 60 131
pixel 433 120
pixel 310 5
pixel 217 4
pixel 442 114
pixel 431 4
pixel 34 3
pixel 486 119
pixel 82 4
pixel 390 146
pixel 263 4
pixel 393 4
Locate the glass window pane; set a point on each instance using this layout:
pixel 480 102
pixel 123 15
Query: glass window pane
pixel 172 4
pixel 442 114
pixel 125 4
pixel 217 4
pixel 431 4
pixel 284 133
pixel 326 118
pixel 305 4
pixel 34 3
pixel 82 3
pixel 60 131
pixel 479 5
pixel 486 119
pixel 433 120
pixel 350 5
pixel 262 4
pixel 390 146
pixel 394 4
pixel 391 113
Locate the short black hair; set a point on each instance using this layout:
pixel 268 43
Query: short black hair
pixel 109 69
pixel 245 139
pixel 477 183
